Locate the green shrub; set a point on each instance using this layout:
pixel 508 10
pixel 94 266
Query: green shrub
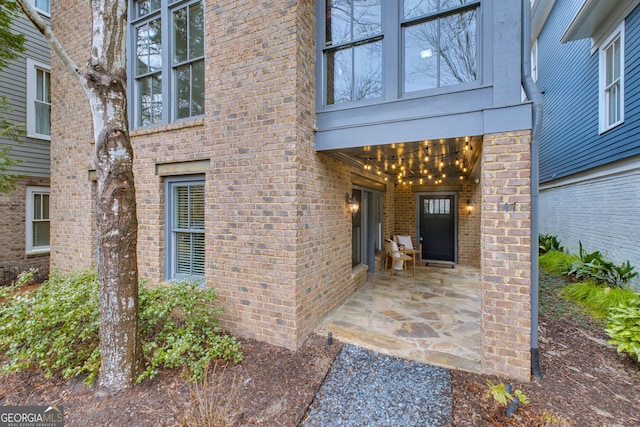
pixel 556 262
pixel 597 298
pixel 624 327
pixel 179 329
pixel 594 266
pixel 56 328
pixel 548 243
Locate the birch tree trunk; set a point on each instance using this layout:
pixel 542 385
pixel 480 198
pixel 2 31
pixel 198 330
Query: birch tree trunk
pixel 105 83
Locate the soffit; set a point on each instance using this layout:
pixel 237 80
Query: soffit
pixel 595 18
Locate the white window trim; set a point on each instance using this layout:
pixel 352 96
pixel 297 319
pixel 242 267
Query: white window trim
pixel 534 60
pixel 31 98
pixel 603 110
pixel 40 11
pixel 30 249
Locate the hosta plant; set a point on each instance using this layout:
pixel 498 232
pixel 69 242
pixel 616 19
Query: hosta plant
pixel 624 327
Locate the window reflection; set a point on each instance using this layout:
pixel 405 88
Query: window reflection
pixel 441 52
pixel 354 57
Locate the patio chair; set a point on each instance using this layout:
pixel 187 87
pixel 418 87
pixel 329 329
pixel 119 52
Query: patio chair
pixel 397 257
pixel 408 245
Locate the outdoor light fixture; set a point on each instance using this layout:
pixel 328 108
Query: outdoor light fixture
pixel 353 204
pixel 469 206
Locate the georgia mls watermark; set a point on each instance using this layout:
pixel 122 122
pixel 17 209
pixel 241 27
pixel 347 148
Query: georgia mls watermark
pixel 31 416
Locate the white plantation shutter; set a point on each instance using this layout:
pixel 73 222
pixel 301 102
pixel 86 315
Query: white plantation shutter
pixel 187 234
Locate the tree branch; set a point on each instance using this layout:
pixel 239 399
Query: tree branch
pixel 44 28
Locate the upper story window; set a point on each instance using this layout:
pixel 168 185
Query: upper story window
pixel 168 58
pixel 612 80
pixel 353 55
pixel 440 43
pixel 534 60
pixel 428 43
pixel 43 6
pixel 38 100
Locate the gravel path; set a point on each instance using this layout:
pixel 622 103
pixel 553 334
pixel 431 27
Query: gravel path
pixel 364 388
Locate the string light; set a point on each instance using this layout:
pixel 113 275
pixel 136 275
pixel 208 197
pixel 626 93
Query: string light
pixel 409 166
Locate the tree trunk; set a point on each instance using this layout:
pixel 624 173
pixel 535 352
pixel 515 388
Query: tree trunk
pixel 120 346
pixel 117 225
pixel 105 83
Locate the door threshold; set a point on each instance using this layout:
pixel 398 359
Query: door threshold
pixel 439 263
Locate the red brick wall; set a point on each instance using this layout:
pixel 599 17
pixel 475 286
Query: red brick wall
pixel 505 252
pixel 468 225
pixel 278 240
pixel 12 223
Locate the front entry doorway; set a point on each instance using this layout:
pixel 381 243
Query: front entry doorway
pixel 437 227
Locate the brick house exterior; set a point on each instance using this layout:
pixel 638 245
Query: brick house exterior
pixel 23 243
pixel 278 242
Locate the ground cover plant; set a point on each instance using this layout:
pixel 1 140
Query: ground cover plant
pixel 624 326
pixel 602 289
pixel 556 262
pixel 597 298
pixel 55 327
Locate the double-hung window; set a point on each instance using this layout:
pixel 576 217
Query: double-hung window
pixel 374 50
pixel 185 228
pixel 38 100
pixel 168 60
pixel 37 220
pixel 612 80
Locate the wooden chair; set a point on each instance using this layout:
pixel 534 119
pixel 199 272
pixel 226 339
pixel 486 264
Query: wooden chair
pixel 409 246
pixel 393 254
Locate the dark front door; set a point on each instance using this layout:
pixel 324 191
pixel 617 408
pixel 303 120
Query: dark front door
pixel 437 227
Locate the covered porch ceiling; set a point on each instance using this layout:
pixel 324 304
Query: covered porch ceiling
pixel 437 161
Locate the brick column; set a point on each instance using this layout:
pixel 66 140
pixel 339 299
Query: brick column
pixel 505 254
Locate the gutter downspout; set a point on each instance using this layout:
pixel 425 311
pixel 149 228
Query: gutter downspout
pixel 533 95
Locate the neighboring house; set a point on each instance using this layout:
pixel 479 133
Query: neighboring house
pixel 24 213
pixel 254 122
pixel 588 58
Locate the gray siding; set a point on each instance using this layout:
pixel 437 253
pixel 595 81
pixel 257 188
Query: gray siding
pixel 568 76
pixel 34 152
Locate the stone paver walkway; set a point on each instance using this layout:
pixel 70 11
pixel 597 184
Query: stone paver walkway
pixel 433 318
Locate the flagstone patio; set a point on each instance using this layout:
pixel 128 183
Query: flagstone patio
pixel 433 318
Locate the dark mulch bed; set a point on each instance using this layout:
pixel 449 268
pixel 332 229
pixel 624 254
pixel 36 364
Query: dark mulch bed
pixel 585 382
pixel 270 387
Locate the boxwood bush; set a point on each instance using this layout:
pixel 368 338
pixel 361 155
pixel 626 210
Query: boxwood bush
pixel 56 328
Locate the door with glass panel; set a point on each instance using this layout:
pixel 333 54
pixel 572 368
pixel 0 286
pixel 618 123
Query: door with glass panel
pixel 366 229
pixel 437 227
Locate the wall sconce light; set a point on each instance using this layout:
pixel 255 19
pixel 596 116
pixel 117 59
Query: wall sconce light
pixel 353 204
pixel 469 206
